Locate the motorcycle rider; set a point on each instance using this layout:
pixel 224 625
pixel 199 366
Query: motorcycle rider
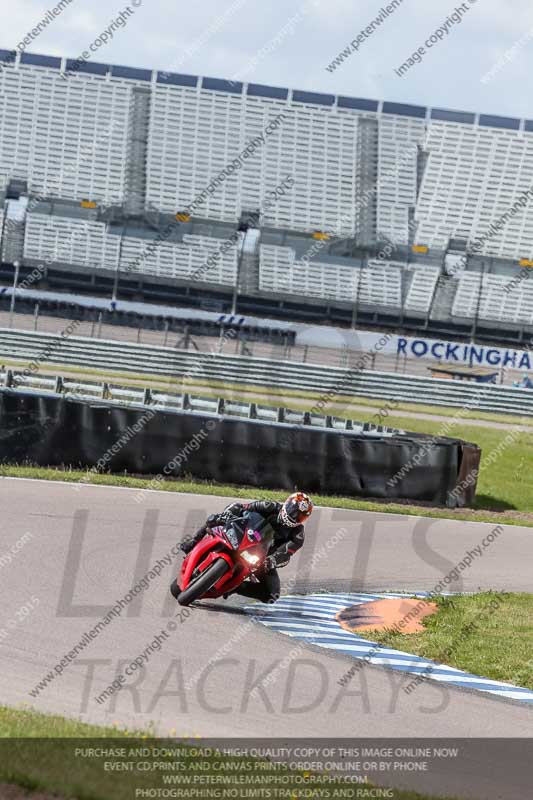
pixel 287 519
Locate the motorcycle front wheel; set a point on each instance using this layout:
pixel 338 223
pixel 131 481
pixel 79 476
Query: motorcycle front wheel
pixel 204 582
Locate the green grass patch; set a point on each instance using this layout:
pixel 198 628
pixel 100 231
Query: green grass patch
pixel 24 722
pixel 38 753
pixel 489 634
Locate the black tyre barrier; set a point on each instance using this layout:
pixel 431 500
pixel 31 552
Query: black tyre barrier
pixel 51 430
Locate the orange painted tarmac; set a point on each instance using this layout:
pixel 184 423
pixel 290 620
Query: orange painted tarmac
pixel 402 614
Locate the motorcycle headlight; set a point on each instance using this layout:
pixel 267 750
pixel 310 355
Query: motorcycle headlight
pixel 250 557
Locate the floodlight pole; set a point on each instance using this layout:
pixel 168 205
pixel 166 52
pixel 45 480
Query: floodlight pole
pixel 117 271
pixel 16 265
pixel 237 279
pixel 244 230
pixel 478 303
pixel 115 283
pixel 355 308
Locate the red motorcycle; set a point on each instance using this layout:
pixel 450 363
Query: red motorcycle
pixel 223 559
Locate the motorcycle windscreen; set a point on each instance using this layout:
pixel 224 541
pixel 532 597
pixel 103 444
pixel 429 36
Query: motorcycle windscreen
pixel 254 526
pixel 235 531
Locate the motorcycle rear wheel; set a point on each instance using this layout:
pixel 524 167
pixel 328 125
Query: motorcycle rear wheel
pixel 204 582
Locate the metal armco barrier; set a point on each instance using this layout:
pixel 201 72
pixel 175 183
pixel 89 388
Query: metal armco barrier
pixel 233 445
pixel 169 363
pixel 118 394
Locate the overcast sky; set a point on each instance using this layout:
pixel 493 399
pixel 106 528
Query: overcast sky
pixel 291 42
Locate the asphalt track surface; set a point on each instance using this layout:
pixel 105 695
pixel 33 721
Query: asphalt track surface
pixel 76 570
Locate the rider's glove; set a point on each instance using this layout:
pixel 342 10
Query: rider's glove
pixel 269 563
pixel 186 546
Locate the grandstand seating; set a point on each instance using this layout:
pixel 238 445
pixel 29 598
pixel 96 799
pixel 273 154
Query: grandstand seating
pixel 458 172
pixel 196 134
pixel 150 144
pixel 399 138
pixel 422 289
pixel 279 272
pixel 67 139
pixel 491 301
pixel 179 260
pixel 473 177
pixel 377 284
pixel 381 284
pixel 50 238
pixel 86 243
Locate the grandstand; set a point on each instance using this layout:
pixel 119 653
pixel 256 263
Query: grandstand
pixel 63 233
pixel 385 196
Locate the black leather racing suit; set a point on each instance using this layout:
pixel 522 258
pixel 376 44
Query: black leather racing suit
pixel 286 542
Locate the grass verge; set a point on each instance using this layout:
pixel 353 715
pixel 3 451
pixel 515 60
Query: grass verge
pixel 489 634
pixel 192 486
pixel 39 754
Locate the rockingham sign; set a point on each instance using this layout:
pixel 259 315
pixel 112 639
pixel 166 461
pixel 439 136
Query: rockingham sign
pixel 443 350
pixel 471 354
